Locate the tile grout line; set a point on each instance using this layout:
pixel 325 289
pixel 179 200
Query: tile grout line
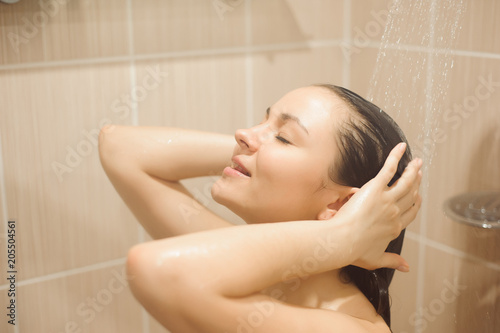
pixel 452 251
pixel 241 50
pixel 425 191
pixel 70 272
pixel 249 67
pixel 346 38
pixel 135 122
pixel 429 49
pixel 177 54
pixel 472 54
pixel 133 70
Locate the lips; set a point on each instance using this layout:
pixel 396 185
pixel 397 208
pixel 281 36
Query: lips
pixel 238 166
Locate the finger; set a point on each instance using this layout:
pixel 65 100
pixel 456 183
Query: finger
pixel 407 202
pixel 410 198
pixel 391 164
pixel 408 180
pixel 409 216
pixel 394 261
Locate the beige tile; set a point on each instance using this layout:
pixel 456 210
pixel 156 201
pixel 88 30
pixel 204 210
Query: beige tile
pixel 409 23
pixel 467 155
pixel 198 93
pixel 20 40
pixel 97 301
pixel 480 27
pixel 368 20
pixel 277 73
pixel 470 26
pixel 362 66
pixel 68 213
pixel 296 21
pixel 59 30
pixel 180 25
pixel 406 22
pixel 403 289
pixel 459 295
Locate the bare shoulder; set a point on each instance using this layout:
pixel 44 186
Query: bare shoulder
pixel 336 310
pixel 360 310
pixel 362 325
pixel 300 319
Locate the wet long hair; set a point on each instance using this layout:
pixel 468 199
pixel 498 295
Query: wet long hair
pixel 365 140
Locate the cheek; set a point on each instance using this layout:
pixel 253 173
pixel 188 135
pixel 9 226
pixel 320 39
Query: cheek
pixel 293 172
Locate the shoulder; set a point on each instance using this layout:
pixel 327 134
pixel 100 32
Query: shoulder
pixel 372 325
pixel 299 319
pixel 326 308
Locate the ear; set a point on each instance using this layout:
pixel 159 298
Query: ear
pixel 333 207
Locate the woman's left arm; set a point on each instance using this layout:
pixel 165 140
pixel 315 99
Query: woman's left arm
pixel 182 280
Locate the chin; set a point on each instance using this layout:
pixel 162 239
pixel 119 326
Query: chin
pixel 232 198
pixel 221 195
pixel 226 197
pixel 217 192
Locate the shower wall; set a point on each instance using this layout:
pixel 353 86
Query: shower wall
pixel 69 67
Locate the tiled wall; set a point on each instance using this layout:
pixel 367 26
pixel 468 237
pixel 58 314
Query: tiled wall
pixel 68 67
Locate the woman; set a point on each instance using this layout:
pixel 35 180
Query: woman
pixel 316 165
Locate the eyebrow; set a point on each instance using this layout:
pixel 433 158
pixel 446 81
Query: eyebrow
pixel 286 116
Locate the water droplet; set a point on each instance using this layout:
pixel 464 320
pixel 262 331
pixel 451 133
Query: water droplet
pixel 413 84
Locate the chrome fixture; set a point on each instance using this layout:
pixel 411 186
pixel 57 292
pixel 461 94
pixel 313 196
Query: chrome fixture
pixel 480 209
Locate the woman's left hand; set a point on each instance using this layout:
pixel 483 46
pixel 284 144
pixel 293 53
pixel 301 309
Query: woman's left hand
pixel 378 213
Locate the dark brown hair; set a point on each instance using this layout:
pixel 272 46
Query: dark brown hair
pixel 365 140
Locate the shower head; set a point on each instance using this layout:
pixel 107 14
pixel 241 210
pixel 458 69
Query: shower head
pixel 480 209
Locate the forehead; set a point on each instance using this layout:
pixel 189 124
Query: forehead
pixel 316 107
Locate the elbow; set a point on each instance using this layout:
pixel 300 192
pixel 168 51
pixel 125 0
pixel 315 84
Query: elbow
pixel 144 279
pixel 110 145
pixel 135 262
pixel 138 272
pixel 104 139
pixel 169 289
pixel 142 271
pixel 155 281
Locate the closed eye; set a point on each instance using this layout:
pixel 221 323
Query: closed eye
pixel 283 140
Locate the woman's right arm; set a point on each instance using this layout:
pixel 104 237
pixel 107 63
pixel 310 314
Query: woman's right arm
pixel 145 165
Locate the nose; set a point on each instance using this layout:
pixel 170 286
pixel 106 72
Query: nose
pixel 252 138
pixel 245 139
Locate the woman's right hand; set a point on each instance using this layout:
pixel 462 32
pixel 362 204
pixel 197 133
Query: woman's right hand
pixel 378 213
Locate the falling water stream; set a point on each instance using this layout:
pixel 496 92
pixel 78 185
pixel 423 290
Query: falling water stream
pixel 411 79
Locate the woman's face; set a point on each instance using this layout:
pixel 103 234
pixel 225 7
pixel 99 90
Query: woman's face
pixel 279 170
